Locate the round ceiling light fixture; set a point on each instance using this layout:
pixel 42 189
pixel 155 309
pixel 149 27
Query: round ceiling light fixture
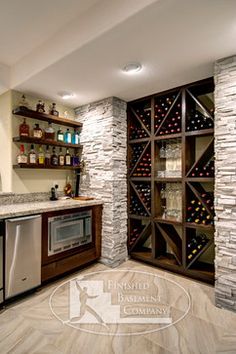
pixel 132 68
pixel 65 95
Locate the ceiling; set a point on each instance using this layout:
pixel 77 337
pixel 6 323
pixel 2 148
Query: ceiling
pixel 81 45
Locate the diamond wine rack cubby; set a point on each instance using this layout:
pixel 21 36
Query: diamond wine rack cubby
pixel 171 180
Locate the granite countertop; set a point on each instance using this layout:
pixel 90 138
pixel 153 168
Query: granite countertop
pixel 19 209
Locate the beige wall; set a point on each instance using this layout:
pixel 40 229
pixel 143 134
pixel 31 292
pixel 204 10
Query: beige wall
pixel 25 180
pixel 5 142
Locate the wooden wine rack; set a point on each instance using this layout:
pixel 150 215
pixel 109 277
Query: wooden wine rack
pixel 159 241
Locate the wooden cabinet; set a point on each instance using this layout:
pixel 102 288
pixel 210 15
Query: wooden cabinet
pixel 171 180
pixel 67 261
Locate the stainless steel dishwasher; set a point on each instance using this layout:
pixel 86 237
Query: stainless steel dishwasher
pixel 23 254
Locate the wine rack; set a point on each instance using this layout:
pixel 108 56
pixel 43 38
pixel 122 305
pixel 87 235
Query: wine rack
pixel 171 180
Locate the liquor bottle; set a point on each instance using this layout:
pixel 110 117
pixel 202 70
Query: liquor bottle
pixel 32 156
pixel 22 157
pixel 75 160
pixel 40 107
pixel 49 132
pixel 53 110
pixel 67 158
pixel 75 137
pixel 37 132
pixel 24 128
pixel 47 157
pixel 41 157
pixel 60 135
pixel 61 158
pixel 23 104
pixel 54 157
pixel 67 136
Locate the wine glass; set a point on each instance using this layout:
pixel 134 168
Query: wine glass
pixel 162 151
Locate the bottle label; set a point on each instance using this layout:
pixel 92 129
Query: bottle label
pixel 76 139
pixel 54 161
pixel 41 160
pixel 37 134
pixel 32 158
pixel 60 137
pixel 22 159
pixel 68 160
pixel 61 160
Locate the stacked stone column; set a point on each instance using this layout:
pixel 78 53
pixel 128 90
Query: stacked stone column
pixel 104 140
pixel 225 182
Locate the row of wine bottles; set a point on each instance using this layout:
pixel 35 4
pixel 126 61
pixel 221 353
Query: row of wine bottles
pixel 144 191
pixel 136 132
pixel 198 121
pixel 208 170
pixel 136 152
pixel 170 124
pixel 136 206
pixel 199 214
pixel 195 245
pixel 144 115
pixel 135 233
pixel 144 167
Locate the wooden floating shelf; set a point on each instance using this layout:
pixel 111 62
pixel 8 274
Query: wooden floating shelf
pixel 16 167
pixel 29 113
pixel 31 140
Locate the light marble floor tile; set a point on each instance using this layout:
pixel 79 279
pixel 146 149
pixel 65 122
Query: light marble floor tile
pixel 28 326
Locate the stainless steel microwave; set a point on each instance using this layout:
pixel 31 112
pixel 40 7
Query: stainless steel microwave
pixel 69 231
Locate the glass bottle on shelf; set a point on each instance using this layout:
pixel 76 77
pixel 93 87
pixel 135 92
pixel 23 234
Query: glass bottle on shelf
pixel 41 156
pixel 61 158
pixel 22 157
pixel 40 107
pixel 49 132
pixel 32 155
pixel 47 157
pixel 67 158
pixel 23 104
pixel 60 135
pixel 75 160
pixel 76 137
pixel 68 136
pixel 53 110
pixel 54 157
pixel 24 128
pixel 37 132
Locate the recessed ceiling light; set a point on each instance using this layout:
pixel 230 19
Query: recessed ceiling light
pixel 66 95
pixel 132 68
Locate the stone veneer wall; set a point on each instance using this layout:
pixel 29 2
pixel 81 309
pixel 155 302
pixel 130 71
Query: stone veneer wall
pixel 104 140
pixel 225 182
